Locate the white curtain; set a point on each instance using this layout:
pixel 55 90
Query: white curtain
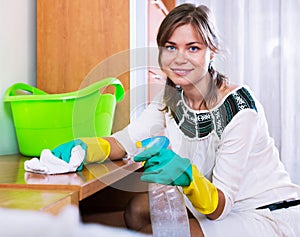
pixel 262 39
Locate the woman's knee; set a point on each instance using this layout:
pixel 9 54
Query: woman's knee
pixel 137 213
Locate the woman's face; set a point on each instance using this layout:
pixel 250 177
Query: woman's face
pixel 185 57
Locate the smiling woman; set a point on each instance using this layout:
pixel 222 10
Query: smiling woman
pixel 214 126
pixel 261 53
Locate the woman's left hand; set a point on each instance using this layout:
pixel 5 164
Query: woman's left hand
pixel 164 166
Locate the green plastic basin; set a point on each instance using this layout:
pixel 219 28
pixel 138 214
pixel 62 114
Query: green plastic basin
pixel 44 121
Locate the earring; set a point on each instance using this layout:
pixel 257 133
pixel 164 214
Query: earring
pixel 210 67
pixel 178 87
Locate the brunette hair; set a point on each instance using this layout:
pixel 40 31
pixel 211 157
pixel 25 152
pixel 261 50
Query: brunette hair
pixel 202 20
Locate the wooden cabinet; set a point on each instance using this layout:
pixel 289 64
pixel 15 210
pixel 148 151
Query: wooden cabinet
pixel 82 41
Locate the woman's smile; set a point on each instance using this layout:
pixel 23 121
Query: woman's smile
pixel 181 72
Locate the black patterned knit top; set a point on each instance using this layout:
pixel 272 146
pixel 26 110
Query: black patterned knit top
pixel 199 124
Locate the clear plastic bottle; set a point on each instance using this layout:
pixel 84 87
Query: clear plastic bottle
pixel 167 208
pixel 168 212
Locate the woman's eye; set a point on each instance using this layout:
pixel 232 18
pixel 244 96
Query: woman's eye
pixel 194 49
pixel 170 48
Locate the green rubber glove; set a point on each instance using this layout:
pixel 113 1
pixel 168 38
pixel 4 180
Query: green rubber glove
pixel 163 166
pixel 63 151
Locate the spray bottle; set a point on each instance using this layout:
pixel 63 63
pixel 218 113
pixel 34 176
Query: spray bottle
pixel 167 208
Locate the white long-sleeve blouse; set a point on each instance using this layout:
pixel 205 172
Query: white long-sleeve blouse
pixel 230 145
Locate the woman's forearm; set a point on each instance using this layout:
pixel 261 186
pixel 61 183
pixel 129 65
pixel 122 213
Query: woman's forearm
pixel 116 149
pixel 220 207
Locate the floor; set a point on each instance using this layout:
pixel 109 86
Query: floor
pixel 114 218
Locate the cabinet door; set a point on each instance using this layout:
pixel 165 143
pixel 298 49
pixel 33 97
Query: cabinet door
pixel 74 36
pixel 157 11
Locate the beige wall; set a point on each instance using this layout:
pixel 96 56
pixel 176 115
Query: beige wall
pixel 17 59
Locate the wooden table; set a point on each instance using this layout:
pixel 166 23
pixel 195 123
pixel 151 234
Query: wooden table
pixel 37 200
pixel 76 186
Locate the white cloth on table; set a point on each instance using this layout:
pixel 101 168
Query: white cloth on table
pixel 50 164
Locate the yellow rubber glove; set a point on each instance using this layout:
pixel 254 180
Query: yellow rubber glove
pixel 202 193
pixel 98 149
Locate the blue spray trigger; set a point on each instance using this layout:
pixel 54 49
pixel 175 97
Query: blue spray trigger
pixel 159 141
